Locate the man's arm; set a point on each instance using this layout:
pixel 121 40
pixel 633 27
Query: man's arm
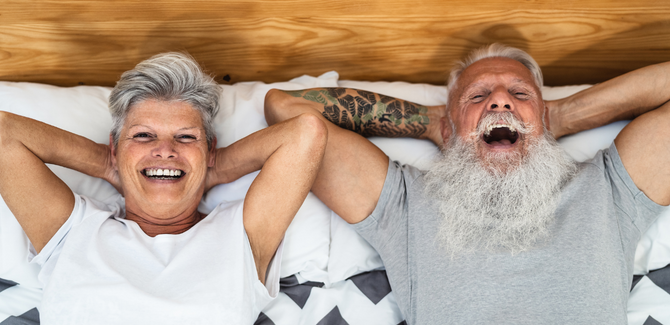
pixel 289 156
pixel 622 98
pixel 39 200
pixel 371 114
pixel 353 169
pixel 642 144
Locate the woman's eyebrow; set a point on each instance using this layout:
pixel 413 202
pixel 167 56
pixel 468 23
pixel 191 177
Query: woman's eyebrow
pixel 139 125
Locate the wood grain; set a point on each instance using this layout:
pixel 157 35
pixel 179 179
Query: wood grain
pixel 92 42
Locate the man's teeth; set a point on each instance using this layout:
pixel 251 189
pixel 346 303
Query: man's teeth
pixel 496 126
pixel 163 172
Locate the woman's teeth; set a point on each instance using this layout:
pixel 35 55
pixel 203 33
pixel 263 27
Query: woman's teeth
pixel 163 172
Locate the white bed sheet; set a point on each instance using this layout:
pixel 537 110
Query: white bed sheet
pixel 319 246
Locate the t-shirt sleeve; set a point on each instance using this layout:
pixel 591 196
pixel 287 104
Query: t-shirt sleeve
pixel 48 256
pixel 641 210
pixel 84 207
pixel 263 294
pixel 636 209
pixel 386 229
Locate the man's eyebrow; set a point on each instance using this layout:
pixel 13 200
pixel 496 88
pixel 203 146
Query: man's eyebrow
pixel 473 85
pixel 148 127
pixel 521 81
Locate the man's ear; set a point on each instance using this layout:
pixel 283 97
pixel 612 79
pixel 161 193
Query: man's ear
pixel 212 154
pixel 545 115
pixel 112 149
pixel 446 129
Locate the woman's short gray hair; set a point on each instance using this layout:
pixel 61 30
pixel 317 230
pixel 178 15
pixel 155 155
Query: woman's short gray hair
pixel 492 51
pixel 167 76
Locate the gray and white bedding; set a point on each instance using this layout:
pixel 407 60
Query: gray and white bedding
pixel 364 298
pixel 330 275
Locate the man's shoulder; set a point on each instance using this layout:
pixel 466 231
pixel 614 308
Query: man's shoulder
pixel 599 160
pixel 409 173
pixel 605 164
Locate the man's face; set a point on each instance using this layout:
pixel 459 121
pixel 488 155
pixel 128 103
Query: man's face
pixel 499 180
pixel 496 85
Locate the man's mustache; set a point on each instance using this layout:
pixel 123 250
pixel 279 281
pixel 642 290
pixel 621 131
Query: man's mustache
pixel 501 119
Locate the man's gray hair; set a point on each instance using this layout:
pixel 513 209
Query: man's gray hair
pixel 171 76
pixel 492 51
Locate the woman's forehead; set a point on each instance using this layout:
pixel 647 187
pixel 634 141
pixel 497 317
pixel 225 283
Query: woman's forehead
pixel 158 113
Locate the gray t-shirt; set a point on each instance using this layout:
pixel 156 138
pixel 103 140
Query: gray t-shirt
pixel 582 274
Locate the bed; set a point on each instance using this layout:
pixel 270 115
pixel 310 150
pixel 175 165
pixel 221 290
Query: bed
pixel 58 60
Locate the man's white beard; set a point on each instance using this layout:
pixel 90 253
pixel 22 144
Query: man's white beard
pixel 498 203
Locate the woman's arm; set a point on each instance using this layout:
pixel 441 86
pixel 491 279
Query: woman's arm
pixel 353 170
pixel 39 200
pixel 289 156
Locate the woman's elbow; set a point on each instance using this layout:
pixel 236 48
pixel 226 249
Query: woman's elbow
pixel 5 123
pixel 276 102
pixel 313 132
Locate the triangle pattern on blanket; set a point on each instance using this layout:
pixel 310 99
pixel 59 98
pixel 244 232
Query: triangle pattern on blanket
pixel 333 318
pixel 661 278
pixel 298 292
pixel 374 284
pixel 651 321
pixel 6 284
pixel 263 320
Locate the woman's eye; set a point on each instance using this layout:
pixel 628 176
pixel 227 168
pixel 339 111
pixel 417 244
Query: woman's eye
pixel 186 138
pixel 142 136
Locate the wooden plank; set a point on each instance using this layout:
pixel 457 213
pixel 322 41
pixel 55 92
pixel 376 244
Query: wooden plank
pixel 93 42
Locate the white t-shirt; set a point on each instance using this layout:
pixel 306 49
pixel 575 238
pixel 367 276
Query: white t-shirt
pixel 100 268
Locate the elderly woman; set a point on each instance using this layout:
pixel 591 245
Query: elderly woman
pixel 150 256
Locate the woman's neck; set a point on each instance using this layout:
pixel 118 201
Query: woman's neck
pixel 157 226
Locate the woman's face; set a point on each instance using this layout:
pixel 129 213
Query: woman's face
pixel 162 158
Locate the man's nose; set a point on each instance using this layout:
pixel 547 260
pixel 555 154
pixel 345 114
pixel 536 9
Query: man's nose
pixel 500 101
pixel 164 149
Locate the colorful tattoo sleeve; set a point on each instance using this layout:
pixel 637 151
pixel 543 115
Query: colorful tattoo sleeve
pixel 368 113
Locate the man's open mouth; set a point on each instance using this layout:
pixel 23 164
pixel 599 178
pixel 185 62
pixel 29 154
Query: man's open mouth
pixel 159 173
pixel 500 134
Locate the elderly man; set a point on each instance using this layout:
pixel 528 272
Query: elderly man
pixel 505 228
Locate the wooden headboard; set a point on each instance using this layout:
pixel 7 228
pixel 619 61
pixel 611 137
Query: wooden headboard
pixel 70 42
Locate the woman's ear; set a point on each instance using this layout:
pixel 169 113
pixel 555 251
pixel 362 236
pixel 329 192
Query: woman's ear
pixel 212 154
pixel 112 150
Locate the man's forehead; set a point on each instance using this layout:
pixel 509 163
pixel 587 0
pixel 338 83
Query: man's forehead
pixel 487 83
pixel 490 70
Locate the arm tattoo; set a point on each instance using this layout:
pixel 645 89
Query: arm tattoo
pixel 368 113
